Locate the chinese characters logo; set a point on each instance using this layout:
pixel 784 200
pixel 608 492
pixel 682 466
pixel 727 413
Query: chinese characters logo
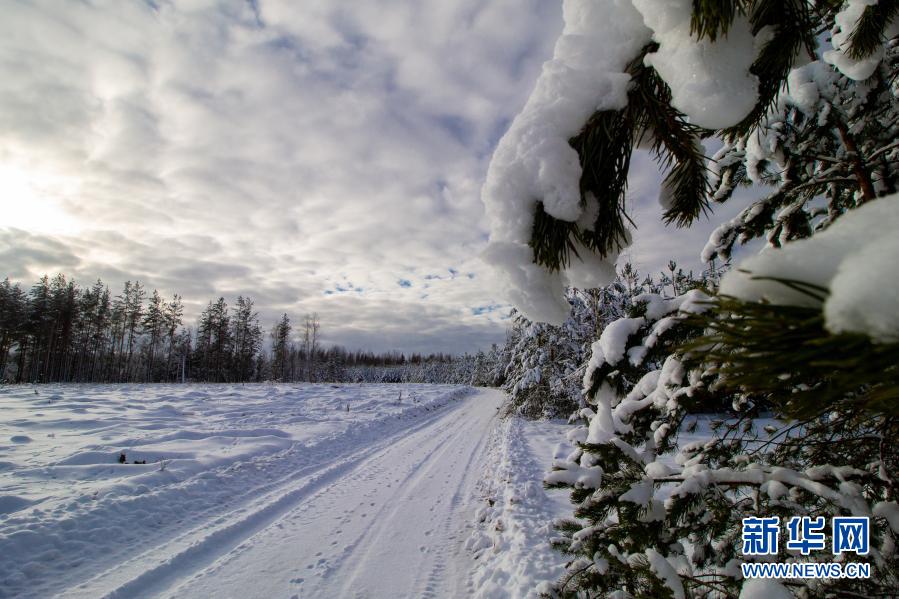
pixel 806 534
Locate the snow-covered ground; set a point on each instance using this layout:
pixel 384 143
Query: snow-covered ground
pixel 514 522
pixel 248 491
pixel 275 491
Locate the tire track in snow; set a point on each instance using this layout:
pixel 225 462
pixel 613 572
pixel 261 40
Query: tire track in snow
pixel 417 476
pixel 439 575
pixel 393 526
pixel 153 571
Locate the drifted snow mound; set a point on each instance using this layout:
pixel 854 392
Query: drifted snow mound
pixel 856 260
pixel 510 540
pixel 534 162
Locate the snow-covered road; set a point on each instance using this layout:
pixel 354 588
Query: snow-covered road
pixel 390 525
pixel 376 503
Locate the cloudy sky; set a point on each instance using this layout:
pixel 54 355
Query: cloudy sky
pixel 318 155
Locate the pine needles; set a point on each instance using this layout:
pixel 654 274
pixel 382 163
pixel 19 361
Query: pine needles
pixel 606 142
pixel 604 146
pixel 792 30
pixel 869 33
pixel 785 355
pixel 552 239
pixel 712 18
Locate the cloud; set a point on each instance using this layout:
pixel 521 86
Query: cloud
pixel 317 156
pixel 24 253
pixel 269 148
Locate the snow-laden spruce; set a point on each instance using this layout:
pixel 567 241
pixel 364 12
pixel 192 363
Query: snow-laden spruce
pixel 544 362
pixel 655 515
pixel 852 266
pixel 535 162
pixel 661 515
pixel 828 145
pixel 847 23
pixel 639 396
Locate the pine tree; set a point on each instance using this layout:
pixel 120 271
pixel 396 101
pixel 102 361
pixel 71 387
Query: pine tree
pixel 203 349
pixel 281 348
pixel 639 395
pixel 153 324
pixel 128 311
pixel 829 136
pixel 311 328
pixel 541 375
pixel 659 527
pixel 40 323
pixel 13 310
pixel 247 337
pixel 172 314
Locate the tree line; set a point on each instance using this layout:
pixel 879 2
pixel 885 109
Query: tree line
pixel 542 365
pixel 59 331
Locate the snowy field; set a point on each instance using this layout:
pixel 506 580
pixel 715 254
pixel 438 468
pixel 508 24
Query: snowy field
pixel 274 491
pixel 246 490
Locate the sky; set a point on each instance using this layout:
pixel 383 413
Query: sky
pixel 319 156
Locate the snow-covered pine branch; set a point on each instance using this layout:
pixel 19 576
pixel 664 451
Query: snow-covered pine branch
pixel 817 124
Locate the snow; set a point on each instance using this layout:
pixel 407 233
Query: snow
pixel 535 165
pixel 803 89
pixel 654 387
pixel 710 81
pixel 602 427
pixel 843 259
pixel 533 162
pixel 666 572
pixel 640 493
pixel 888 510
pixel 762 588
pixel 253 490
pixel 846 21
pixel 511 543
pixel 696 432
pixel 613 340
pixel 611 346
pixel 857 304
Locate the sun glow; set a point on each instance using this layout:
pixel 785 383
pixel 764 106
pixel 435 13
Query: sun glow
pixel 33 200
